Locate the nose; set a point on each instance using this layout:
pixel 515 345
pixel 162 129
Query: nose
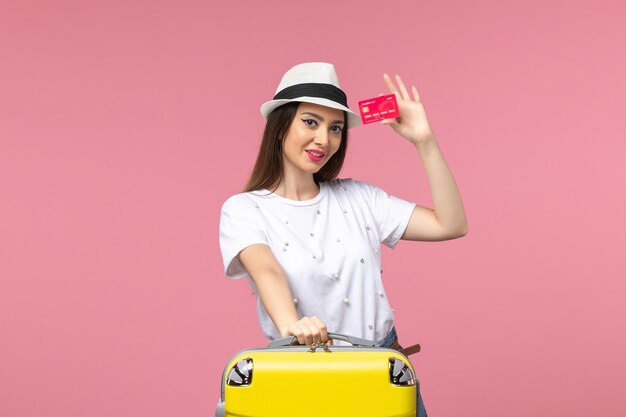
pixel 321 137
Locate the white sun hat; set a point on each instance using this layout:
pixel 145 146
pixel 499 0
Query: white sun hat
pixel 311 82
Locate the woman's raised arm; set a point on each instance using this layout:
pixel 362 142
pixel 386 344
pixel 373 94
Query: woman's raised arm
pixel 446 220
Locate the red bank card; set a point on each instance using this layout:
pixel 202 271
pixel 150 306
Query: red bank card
pixel 379 108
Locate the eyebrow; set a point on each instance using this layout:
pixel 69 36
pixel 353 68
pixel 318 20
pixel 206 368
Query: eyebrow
pixel 317 116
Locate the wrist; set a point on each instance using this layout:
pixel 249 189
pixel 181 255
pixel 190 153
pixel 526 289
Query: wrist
pixel 284 331
pixel 284 328
pixel 426 143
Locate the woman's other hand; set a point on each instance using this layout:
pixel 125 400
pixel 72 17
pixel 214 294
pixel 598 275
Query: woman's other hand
pixel 446 220
pixel 412 124
pixel 308 330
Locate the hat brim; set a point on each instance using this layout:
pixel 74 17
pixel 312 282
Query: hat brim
pixel 353 118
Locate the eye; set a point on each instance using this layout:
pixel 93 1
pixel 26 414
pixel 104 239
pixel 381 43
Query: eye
pixel 336 129
pixel 310 122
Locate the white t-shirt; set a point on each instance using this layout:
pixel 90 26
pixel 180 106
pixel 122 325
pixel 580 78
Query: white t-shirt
pixel 329 248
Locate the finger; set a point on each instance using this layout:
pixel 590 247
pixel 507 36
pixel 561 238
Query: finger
pixel 321 327
pixel 307 335
pixel 390 85
pixel 403 90
pixel 309 330
pixel 295 330
pixel 318 329
pixel 316 335
pixel 416 94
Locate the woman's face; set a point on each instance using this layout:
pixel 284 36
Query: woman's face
pixel 313 137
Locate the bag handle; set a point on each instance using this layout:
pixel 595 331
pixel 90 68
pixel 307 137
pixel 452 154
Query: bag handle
pixel 292 340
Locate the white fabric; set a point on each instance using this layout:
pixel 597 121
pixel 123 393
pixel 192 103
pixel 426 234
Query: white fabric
pixel 329 247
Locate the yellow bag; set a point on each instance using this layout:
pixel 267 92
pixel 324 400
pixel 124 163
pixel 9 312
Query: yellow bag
pixel 287 380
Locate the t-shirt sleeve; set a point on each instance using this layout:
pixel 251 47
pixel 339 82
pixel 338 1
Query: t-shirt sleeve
pixel 392 214
pixel 240 227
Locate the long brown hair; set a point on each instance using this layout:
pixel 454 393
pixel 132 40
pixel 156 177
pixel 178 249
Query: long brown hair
pixel 268 168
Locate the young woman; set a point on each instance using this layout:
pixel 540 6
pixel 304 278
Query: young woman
pixel 310 243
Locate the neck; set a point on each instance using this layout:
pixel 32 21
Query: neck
pixel 300 187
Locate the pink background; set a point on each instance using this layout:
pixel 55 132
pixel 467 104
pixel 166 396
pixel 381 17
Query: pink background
pixel 125 124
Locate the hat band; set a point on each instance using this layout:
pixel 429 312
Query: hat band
pixel 327 91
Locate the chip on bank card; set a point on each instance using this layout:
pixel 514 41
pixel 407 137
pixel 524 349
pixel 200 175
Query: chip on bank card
pixel 379 108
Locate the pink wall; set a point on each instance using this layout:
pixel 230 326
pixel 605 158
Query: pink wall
pixel 125 124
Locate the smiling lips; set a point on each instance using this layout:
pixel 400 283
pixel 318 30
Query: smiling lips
pixel 316 155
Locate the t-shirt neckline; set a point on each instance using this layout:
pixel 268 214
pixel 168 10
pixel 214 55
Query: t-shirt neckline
pixel 268 194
